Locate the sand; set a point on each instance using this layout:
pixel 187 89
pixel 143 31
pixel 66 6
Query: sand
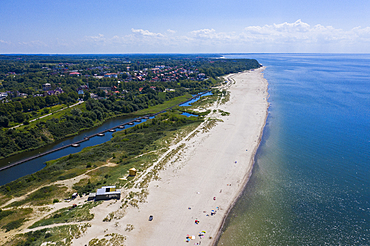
pixel 208 173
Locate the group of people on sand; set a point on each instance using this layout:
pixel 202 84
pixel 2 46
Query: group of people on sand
pixel 197 222
pixel 201 235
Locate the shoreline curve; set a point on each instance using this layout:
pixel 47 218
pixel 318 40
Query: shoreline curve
pixel 208 172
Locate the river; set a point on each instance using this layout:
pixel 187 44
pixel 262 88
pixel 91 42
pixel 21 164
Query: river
pixel 37 164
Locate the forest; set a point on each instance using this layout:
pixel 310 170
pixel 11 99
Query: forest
pixel 32 86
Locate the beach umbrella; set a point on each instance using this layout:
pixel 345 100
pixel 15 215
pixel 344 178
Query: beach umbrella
pixel 203 231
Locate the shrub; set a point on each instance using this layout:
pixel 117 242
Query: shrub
pixel 13 225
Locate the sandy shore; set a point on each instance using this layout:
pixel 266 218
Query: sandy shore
pixel 207 174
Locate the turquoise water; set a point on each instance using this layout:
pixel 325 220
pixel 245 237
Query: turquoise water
pixel 311 181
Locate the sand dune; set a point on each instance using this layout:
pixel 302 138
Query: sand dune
pixel 209 173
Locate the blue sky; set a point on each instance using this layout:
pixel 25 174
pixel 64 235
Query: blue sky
pixel 192 26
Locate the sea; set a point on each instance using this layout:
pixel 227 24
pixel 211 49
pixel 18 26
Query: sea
pixel 310 183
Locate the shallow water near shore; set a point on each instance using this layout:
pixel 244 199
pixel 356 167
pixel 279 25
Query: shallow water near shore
pixel 311 180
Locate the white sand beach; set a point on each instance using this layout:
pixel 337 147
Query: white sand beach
pixel 208 173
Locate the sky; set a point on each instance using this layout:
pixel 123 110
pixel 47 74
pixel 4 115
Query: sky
pixel 192 26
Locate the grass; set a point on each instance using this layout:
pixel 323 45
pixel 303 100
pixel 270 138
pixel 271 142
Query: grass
pixel 223 113
pixel 160 107
pixel 138 147
pixel 45 195
pixel 14 218
pixel 61 235
pixel 54 114
pixel 65 215
pixel 109 239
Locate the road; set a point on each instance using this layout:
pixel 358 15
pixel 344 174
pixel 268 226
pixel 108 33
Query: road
pixel 48 114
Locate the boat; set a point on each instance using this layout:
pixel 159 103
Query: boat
pixel 75 145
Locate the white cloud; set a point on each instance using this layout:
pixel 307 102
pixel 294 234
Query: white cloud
pixel 171 31
pixel 146 33
pixel 4 42
pixel 287 33
pixel 34 43
pixel 284 37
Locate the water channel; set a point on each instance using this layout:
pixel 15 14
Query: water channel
pixel 32 166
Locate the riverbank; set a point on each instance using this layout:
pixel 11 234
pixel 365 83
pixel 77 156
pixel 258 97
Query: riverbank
pixel 205 171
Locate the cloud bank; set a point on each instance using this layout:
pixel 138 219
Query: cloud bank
pixel 284 37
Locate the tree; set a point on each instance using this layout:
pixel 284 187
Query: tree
pixel 18 106
pixel 19 117
pixel 86 96
pixel 4 121
pixel 101 93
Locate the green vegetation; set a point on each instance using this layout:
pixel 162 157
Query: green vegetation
pixel 224 113
pixel 111 239
pixel 107 163
pixel 13 224
pixel 133 148
pixel 61 235
pixel 70 214
pixel 121 84
pixel 14 218
pixel 42 196
pixel 5 213
pixel 125 145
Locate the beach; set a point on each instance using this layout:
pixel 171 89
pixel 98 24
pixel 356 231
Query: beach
pixel 201 182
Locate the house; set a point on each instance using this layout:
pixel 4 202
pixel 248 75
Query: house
pixel 46 87
pixel 58 91
pixel 55 92
pixel 106 193
pixel 75 74
pixel 105 88
pixel 94 96
pixel 132 171
pixel 83 87
pixel 201 76
pixel 22 95
pixel 110 75
pixel 3 95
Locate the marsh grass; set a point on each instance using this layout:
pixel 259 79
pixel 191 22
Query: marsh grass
pixel 42 196
pixel 223 113
pixel 14 218
pixel 65 215
pixel 61 235
pixel 138 147
pixel 209 124
pixel 109 239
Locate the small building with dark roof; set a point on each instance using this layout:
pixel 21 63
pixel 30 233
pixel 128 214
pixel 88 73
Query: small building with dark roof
pixel 106 193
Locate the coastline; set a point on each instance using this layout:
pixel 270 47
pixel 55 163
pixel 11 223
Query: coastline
pixel 247 175
pixel 209 172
